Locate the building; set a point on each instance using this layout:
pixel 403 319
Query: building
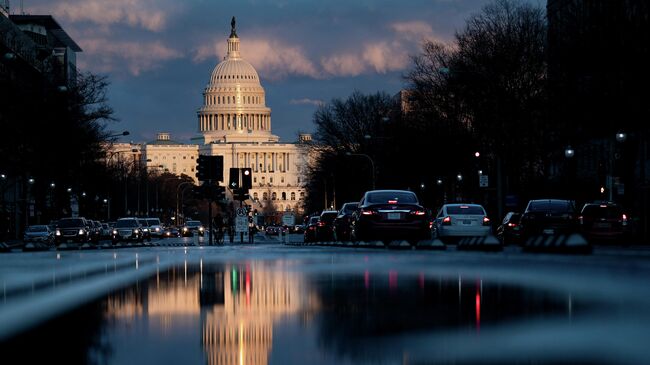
pixel 234 122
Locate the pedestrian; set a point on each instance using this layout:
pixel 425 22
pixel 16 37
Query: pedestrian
pixel 251 230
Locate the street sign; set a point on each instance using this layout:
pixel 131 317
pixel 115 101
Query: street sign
pixel 241 224
pixel 483 181
pixel 288 219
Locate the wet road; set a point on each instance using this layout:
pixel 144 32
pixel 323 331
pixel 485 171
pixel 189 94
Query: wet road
pixel 271 303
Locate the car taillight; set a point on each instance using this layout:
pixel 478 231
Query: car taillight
pixel 486 221
pixel 418 212
pixel 368 212
pixel 320 224
pixel 512 224
pixel 446 221
pixel 624 218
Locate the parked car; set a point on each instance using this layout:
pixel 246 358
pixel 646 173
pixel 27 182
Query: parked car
pixel 155 227
pixel 127 229
pixel 342 221
pixel 549 217
pixel 509 231
pixel 604 221
pixel 39 233
pixel 310 231
pixel 192 227
pixel 461 220
pixel 72 230
pixel 390 214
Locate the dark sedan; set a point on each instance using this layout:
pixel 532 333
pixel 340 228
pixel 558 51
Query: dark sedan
pixel 310 231
pixel 549 217
pixel 389 215
pixel 604 221
pixel 509 231
pixel 342 221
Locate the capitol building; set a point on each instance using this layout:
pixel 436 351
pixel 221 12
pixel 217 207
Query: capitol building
pixel 234 122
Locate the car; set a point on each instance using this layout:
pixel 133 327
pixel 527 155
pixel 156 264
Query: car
pixel 298 228
pixel 191 227
pixel 39 233
pixel 170 232
pixel 549 217
pixel 461 220
pixel 390 215
pixel 604 221
pixel 146 229
pixel 75 230
pixel 342 221
pixel 127 229
pixel 155 227
pixel 325 227
pixel 509 231
pixel 273 230
pixel 310 232
pixel 95 228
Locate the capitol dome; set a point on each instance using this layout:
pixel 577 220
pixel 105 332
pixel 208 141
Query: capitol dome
pixel 234 106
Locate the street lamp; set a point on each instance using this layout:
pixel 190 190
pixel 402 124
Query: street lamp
pixel 372 165
pixel 569 152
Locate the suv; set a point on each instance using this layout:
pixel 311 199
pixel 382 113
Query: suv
pixel 72 230
pixel 549 217
pixel 604 221
pixel 342 221
pixel 155 228
pixel 191 227
pixel 127 229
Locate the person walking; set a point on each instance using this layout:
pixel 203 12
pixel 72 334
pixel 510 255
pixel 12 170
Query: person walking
pixel 251 230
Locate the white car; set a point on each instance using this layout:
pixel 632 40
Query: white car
pixel 461 220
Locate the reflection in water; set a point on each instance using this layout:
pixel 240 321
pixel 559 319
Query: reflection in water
pixel 236 305
pixel 259 313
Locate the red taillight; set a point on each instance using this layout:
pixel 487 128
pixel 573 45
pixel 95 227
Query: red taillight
pixel 368 212
pixel 320 224
pixel 418 212
pixel 624 218
pixel 446 221
pixel 392 202
pixel 430 224
pixel 486 221
pixel 512 224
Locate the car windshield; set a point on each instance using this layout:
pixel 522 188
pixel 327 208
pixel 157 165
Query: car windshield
pixel 153 221
pixel 465 209
pixel 126 223
pixel 193 223
pixel 37 229
pixel 71 223
pixel 314 220
pixel 602 211
pixel 551 206
pixel 349 208
pixel 383 197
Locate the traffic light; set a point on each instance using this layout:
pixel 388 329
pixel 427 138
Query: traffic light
pixel 216 165
pixel 234 178
pixel 219 193
pixel 202 168
pixel 247 178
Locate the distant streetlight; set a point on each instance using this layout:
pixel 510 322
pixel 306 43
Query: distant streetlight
pixel 477 154
pixel 52 185
pixel 459 177
pixel 621 137
pixel 569 152
pixel 439 181
pixel 30 180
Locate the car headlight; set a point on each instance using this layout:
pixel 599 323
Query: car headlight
pixel 58 233
pixel 145 229
pixel 200 228
pixel 115 232
pixel 136 231
pixel 157 229
pixel 184 229
pixel 82 232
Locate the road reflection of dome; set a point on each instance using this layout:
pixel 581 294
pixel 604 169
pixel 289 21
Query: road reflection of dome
pixel 241 331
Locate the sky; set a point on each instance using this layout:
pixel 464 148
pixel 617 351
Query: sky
pixel 158 54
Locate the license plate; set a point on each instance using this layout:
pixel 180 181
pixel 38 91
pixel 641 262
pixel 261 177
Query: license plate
pixel 549 231
pixel 467 222
pixel 393 216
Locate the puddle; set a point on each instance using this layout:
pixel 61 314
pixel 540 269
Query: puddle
pixel 258 313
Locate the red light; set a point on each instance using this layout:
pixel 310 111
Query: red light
pixel 392 202
pixel 512 224
pixel 320 224
pixel 603 205
pixel 367 212
pixel 624 217
pixel 464 207
pixel 446 220
pixel 418 212
pixel 486 220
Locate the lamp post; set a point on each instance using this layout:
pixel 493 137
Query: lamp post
pixel 569 153
pixel 177 191
pixel 372 165
pixel 108 209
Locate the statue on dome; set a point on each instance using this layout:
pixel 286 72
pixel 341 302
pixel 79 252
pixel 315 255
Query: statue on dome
pixel 233 32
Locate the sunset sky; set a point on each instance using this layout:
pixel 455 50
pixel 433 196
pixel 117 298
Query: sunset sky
pixel 159 54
